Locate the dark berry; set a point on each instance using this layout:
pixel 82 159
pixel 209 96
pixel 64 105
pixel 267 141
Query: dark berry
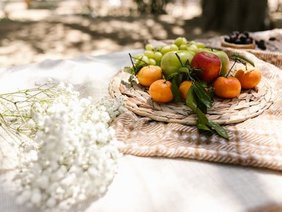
pixel 238 41
pixel 227 39
pixel 233 38
pixel 246 34
pixel 239 37
pixel 272 38
pixel 235 33
pixel 261 44
pixel 249 40
pixel 243 40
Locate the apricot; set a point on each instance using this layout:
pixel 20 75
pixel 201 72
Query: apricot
pixel 149 74
pixel 227 87
pixel 184 88
pixel 248 79
pixel 160 91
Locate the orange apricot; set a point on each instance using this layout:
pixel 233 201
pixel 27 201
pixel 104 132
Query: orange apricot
pixel 184 88
pixel 248 79
pixel 227 87
pixel 160 91
pixel 149 74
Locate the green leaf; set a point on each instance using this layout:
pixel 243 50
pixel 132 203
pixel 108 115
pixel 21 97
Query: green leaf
pixel 202 118
pixel 242 59
pixel 129 70
pixel 174 89
pixel 203 96
pixel 195 74
pixel 209 126
pixel 203 123
pixel 200 105
pixel 203 127
pixel 183 70
pixel 218 129
pixel 190 100
pixel 203 84
pixel 171 76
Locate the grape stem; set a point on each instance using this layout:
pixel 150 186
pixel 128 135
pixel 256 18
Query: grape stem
pixel 241 59
pixel 179 59
pixel 188 66
pixel 131 60
pixel 235 61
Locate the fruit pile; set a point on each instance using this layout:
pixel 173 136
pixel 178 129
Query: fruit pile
pixel 246 40
pixel 190 72
pixel 239 38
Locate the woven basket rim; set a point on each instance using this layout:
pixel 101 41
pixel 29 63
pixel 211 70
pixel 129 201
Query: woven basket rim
pixel 163 112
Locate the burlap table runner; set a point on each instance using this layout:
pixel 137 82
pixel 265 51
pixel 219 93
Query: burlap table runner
pixel 255 142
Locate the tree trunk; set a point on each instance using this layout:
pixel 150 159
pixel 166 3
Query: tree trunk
pixel 230 15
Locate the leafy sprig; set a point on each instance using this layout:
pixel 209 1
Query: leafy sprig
pixel 137 64
pixel 203 123
pixel 238 58
pixel 199 98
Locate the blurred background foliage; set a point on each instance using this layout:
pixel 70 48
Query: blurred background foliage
pixel 35 30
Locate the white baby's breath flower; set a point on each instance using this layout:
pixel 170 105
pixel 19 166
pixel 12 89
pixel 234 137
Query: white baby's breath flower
pixel 75 155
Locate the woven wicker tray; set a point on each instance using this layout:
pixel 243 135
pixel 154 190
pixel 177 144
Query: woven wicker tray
pixel 254 142
pixel 224 111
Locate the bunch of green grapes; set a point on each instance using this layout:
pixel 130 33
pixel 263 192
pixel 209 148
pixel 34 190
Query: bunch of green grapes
pixel 153 55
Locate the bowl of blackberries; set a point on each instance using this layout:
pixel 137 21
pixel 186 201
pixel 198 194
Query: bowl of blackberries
pixel 239 40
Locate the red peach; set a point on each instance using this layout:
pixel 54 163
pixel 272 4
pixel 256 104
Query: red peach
pixel 209 63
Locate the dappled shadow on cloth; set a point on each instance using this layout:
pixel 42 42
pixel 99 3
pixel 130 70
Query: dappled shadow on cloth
pixel 62 37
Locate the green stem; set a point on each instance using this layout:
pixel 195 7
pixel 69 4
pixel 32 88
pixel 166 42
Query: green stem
pixel 231 68
pixel 131 60
pixel 179 59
